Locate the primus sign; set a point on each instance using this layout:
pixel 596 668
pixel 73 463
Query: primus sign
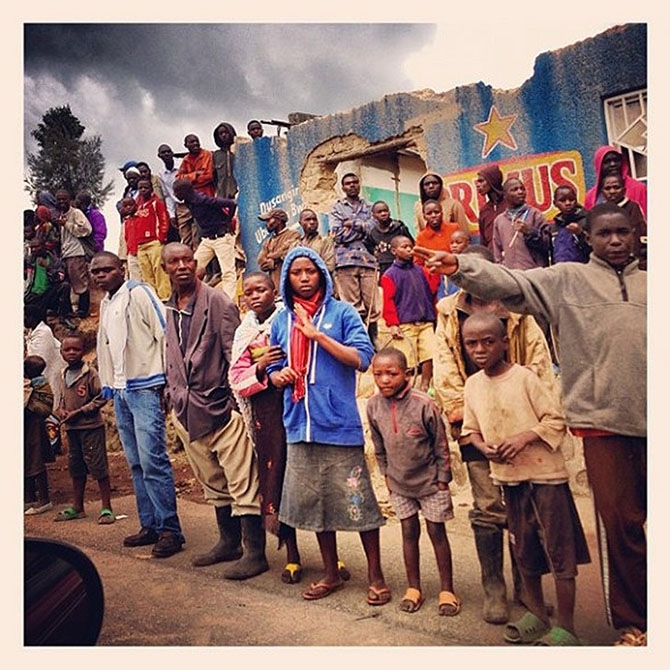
pixel 540 174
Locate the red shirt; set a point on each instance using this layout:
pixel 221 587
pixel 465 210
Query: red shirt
pixel 199 170
pixel 150 222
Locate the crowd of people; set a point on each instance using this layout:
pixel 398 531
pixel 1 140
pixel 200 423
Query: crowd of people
pixel 499 345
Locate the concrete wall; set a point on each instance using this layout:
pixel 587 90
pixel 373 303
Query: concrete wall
pixel 546 131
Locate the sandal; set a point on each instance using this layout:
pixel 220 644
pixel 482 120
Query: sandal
pixel 448 603
pixel 106 517
pixel 292 573
pixel 378 596
pixel 39 509
pixel 632 637
pixel 69 514
pixel 319 590
pixel 411 601
pixel 558 637
pixel 527 629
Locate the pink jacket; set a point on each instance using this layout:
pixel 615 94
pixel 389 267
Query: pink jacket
pixel 635 190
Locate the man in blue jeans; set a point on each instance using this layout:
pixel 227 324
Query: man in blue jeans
pixel 131 363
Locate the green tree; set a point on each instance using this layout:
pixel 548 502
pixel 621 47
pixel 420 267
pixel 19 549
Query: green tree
pixel 66 159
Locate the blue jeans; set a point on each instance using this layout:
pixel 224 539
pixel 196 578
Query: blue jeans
pixel 140 421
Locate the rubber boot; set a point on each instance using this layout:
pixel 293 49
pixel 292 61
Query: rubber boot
pixel 489 543
pixel 253 561
pixel 84 308
pixel 372 333
pixel 229 547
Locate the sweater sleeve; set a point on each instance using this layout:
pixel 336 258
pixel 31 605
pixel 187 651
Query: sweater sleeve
pixel 435 425
pixel 377 440
pixel 389 311
pixel 550 427
pixel 163 220
pixel 243 376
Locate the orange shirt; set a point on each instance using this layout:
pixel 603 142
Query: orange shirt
pixel 439 240
pixel 199 170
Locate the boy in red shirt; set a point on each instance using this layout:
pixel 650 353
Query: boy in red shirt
pixel 146 228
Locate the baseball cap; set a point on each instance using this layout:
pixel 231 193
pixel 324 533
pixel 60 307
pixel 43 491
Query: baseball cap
pixel 128 164
pixel 276 213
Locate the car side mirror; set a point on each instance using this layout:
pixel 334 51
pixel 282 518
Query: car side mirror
pixel 63 595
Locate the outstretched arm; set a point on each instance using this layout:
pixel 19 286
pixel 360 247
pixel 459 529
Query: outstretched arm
pixel 442 262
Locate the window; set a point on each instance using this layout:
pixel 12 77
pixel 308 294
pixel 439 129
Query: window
pixel 626 121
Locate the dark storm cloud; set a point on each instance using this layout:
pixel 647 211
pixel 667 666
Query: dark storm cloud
pixel 137 85
pixel 241 69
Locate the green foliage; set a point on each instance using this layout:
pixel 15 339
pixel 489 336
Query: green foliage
pixel 66 159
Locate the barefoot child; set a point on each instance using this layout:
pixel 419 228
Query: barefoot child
pixel 517 423
pixel 80 413
pixel 411 449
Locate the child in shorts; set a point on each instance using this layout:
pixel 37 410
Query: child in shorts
pixel 410 444
pixel 409 307
pixel 517 423
pixel 80 413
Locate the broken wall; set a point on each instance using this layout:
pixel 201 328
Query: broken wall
pixel 545 132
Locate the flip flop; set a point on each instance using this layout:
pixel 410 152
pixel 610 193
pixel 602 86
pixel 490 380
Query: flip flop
pixel 528 628
pixel 292 573
pixel 378 596
pixel 106 517
pixel 319 590
pixel 558 637
pixel 69 514
pixel 448 603
pixel 411 602
pixel 39 510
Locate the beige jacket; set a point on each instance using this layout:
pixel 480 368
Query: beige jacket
pixel 527 347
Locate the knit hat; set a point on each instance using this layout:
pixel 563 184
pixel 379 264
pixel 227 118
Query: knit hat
pixel 493 176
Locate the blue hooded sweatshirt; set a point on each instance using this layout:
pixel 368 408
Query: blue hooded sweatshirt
pixel 328 412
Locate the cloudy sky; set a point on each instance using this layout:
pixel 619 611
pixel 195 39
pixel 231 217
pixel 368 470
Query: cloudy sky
pixel 138 85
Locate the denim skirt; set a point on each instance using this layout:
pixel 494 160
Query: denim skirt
pixel 328 488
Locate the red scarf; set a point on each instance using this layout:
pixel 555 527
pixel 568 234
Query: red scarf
pixel 299 345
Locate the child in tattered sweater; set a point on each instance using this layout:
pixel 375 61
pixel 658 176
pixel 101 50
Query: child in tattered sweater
pixel 517 423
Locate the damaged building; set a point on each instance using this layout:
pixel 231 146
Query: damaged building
pixel 579 97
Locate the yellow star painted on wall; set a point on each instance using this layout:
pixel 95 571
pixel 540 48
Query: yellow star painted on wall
pixel 496 130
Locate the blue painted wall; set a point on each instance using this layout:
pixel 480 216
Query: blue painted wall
pixel 560 108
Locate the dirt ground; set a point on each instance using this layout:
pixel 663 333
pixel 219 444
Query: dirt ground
pixel 60 484
pixel 186 484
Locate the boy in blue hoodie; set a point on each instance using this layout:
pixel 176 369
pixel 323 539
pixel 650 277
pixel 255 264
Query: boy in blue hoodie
pixel 327 484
